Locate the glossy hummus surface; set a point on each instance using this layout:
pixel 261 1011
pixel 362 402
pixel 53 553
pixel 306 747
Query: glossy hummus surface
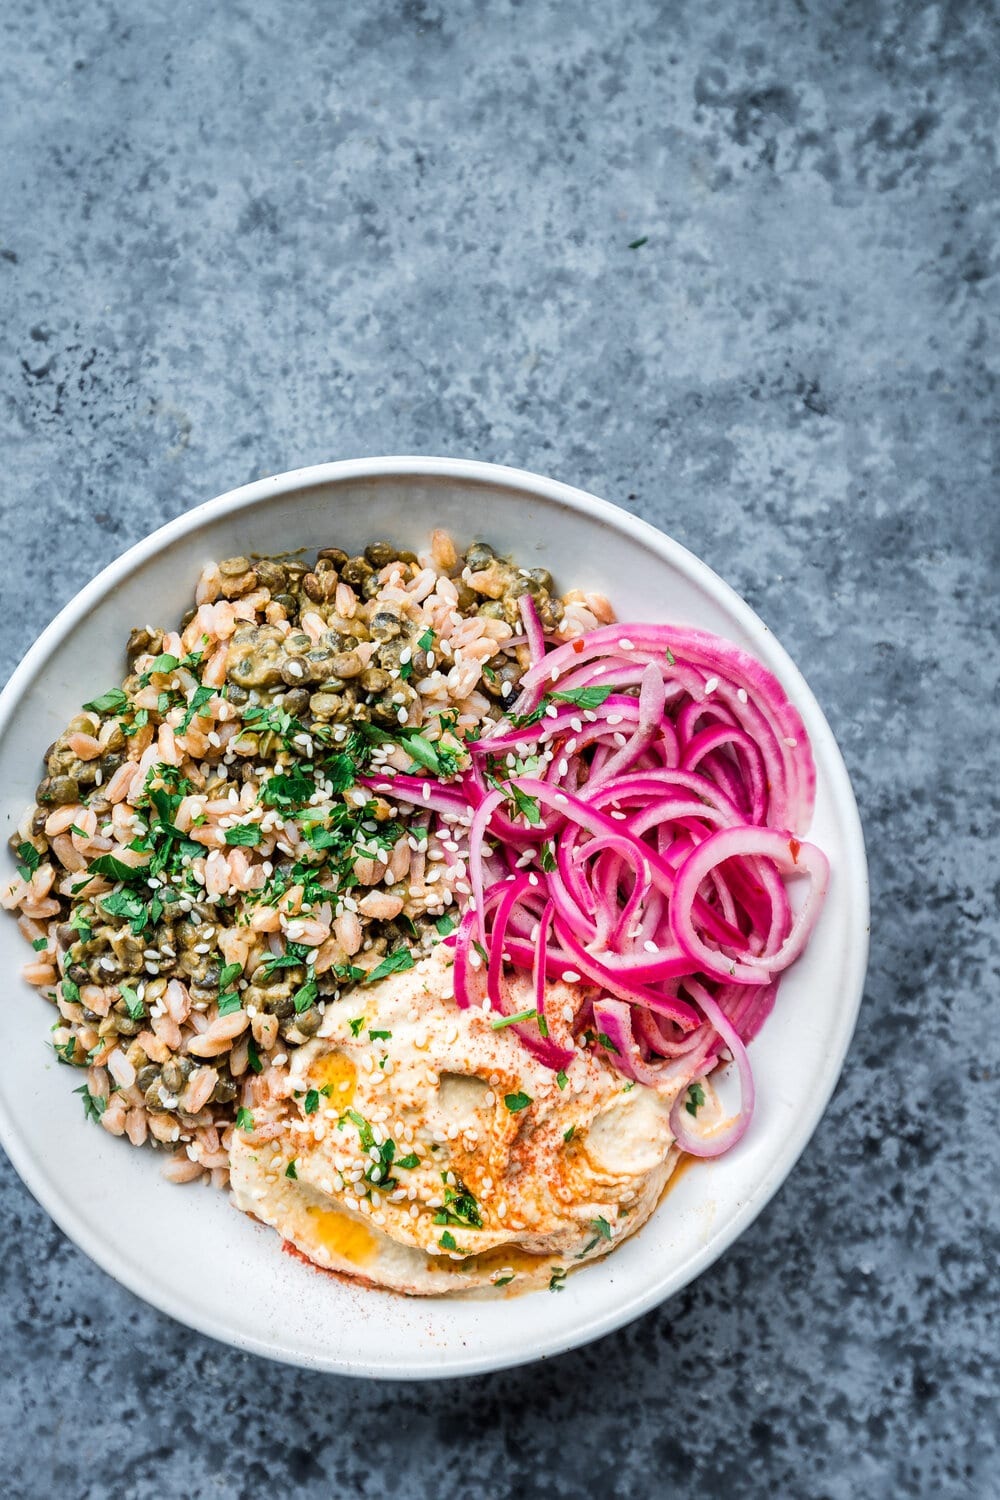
pixel 418 1148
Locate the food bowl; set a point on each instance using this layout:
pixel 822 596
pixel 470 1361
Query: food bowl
pixel 185 1249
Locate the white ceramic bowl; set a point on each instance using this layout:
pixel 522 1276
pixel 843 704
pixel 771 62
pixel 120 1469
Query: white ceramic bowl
pixel 185 1249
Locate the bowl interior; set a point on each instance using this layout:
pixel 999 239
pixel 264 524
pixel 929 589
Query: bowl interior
pixel 185 1249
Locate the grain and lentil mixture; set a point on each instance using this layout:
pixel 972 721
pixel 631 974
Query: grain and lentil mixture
pixel 203 871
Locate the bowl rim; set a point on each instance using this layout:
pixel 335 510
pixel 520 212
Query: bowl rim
pixel 572 499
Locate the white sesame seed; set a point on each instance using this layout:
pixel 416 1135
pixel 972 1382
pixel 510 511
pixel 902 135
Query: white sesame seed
pixel 570 976
pixel 741 694
pixel 711 685
pixel 625 644
pixel 650 946
pixel 791 740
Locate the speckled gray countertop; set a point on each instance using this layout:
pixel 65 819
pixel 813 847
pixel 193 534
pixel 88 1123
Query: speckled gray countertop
pixel 243 237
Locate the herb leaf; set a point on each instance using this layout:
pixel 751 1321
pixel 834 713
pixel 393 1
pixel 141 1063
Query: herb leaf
pixel 695 1099
pixel 395 963
pixel 244 834
pixel 108 703
pixel 515 1102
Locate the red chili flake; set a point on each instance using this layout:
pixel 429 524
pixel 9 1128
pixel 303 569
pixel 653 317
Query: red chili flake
pixel 794 846
pixel 578 647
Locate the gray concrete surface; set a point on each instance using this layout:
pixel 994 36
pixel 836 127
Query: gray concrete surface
pixel 242 237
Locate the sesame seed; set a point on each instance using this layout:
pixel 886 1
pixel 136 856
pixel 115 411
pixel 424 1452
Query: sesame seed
pixel 791 740
pixel 650 946
pixel 625 645
pixel 741 694
pixel 570 976
pixel 711 685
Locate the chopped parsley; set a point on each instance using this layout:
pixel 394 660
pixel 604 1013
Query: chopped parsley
pixel 108 703
pixel 546 857
pixel 570 1133
pixel 356 1025
pixel 445 925
pixel 94 1105
pixel 28 860
pixel 71 991
pixel 230 1003
pixel 561 1079
pixel 587 697
pixel 607 1043
pixel 378 1036
pixel 133 1004
pixel 527 806
pixel 228 974
pixel 447 1241
pixel 288 789
pixel 290 1170
pixel 638 244
pixel 460 1206
pixel 695 1099
pixel 407 1163
pixel 244 1119
pixel 558 1279
pixel 395 963
pixel 39 944
pixel 244 833
pixel 253 1056
pixel 305 997
pixel 516 1102
pixel 312 1102
pixel 198 705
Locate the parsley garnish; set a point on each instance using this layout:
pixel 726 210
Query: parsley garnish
pixel 671 658
pixel 570 1133
pixel 244 833
pixel 561 1079
pixel 503 1280
pixel 607 1043
pixel 408 1162
pixel 253 1056
pixel 515 1102
pixel 304 997
pixel 527 806
pixel 460 1207
pixel 198 701
pixel 94 1105
pixel 695 1098
pixel 291 1172
pixel 133 1004
pixel 228 974
pixel 588 697
pixel 547 858
pixel 447 1241
pixel 637 244
pixel 312 1102
pixel 108 703
pixel 230 1003
pixel 395 963
pixel 39 944
pixel 244 1119
pixel 356 1025
pixel 71 990
pixel 557 1279
pixel 28 860
pixel 445 925
pixel 287 790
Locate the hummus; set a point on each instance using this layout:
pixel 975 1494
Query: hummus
pixel 412 1145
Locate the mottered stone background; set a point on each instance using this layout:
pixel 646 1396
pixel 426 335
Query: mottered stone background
pixel 243 237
